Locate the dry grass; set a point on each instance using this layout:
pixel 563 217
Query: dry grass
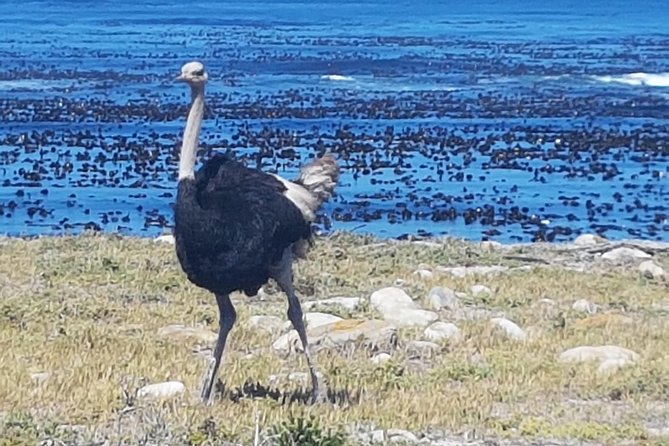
pixel 87 310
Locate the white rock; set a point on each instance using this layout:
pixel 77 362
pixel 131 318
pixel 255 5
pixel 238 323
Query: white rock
pixel 464 271
pixel 588 240
pixel 422 348
pixel 178 331
pixel 317 319
pixel 286 343
pixel 662 432
pixel 349 303
pixel 269 324
pixel 441 297
pixel 479 290
pixel 424 274
pixel 341 334
pixel 411 318
pixel 371 333
pixel 40 377
pixel 314 319
pixel 651 270
pixel 262 294
pixel 165 238
pixel 611 365
pixel 584 306
pixel 401 436
pixel 440 331
pixel 625 254
pixel 377 436
pixel 598 353
pixel 380 358
pixel 511 329
pixel 490 245
pixel 391 299
pixel 164 390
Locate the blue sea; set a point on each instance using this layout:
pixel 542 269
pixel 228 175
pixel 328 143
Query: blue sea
pixel 504 120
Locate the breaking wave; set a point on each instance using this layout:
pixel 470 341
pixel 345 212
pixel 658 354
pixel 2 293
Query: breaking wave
pixel 643 79
pixel 336 77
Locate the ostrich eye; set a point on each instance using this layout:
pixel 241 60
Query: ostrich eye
pixel 199 72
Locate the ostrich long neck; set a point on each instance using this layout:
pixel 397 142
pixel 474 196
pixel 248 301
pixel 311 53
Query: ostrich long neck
pixel 191 134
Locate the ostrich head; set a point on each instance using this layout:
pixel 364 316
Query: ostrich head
pixel 193 73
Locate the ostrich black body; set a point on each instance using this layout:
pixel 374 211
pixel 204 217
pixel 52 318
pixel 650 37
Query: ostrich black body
pixel 231 224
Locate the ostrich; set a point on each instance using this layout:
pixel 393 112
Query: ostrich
pixel 237 227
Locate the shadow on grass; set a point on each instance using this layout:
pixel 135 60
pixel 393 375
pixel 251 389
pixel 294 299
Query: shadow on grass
pixel 256 390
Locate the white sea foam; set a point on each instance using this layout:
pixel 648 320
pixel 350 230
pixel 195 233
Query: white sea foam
pixel 32 84
pixel 336 77
pixel 645 79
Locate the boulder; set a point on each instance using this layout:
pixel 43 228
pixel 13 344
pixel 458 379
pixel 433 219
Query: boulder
pixel 164 390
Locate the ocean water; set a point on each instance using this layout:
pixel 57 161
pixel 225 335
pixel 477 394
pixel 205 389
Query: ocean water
pixel 480 119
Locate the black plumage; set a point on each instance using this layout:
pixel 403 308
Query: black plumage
pixel 231 224
pixel 237 227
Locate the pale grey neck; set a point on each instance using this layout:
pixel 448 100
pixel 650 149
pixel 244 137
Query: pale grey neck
pixel 192 134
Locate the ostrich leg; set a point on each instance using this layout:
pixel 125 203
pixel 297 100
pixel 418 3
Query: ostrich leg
pixel 283 274
pixel 227 316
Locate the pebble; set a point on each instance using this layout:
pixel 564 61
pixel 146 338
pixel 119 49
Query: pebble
pixel 584 306
pixel 511 329
pixel 163 390
pixel 442 297
pixel 440 331
pixel 380 358
pixel 624 254
pixel 349 303
pixel 480 290
pixel 424 274
pixel 588 240
pixel 178 331
pixel 610 357
pixel 651 270
pixel 269 324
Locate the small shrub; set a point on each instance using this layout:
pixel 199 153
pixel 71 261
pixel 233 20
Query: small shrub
pixel 298 431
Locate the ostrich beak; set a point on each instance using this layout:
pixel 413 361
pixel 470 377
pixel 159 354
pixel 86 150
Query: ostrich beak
pixel 180 78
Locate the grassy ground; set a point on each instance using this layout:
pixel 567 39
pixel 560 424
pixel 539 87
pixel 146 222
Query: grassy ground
pixel 87 311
